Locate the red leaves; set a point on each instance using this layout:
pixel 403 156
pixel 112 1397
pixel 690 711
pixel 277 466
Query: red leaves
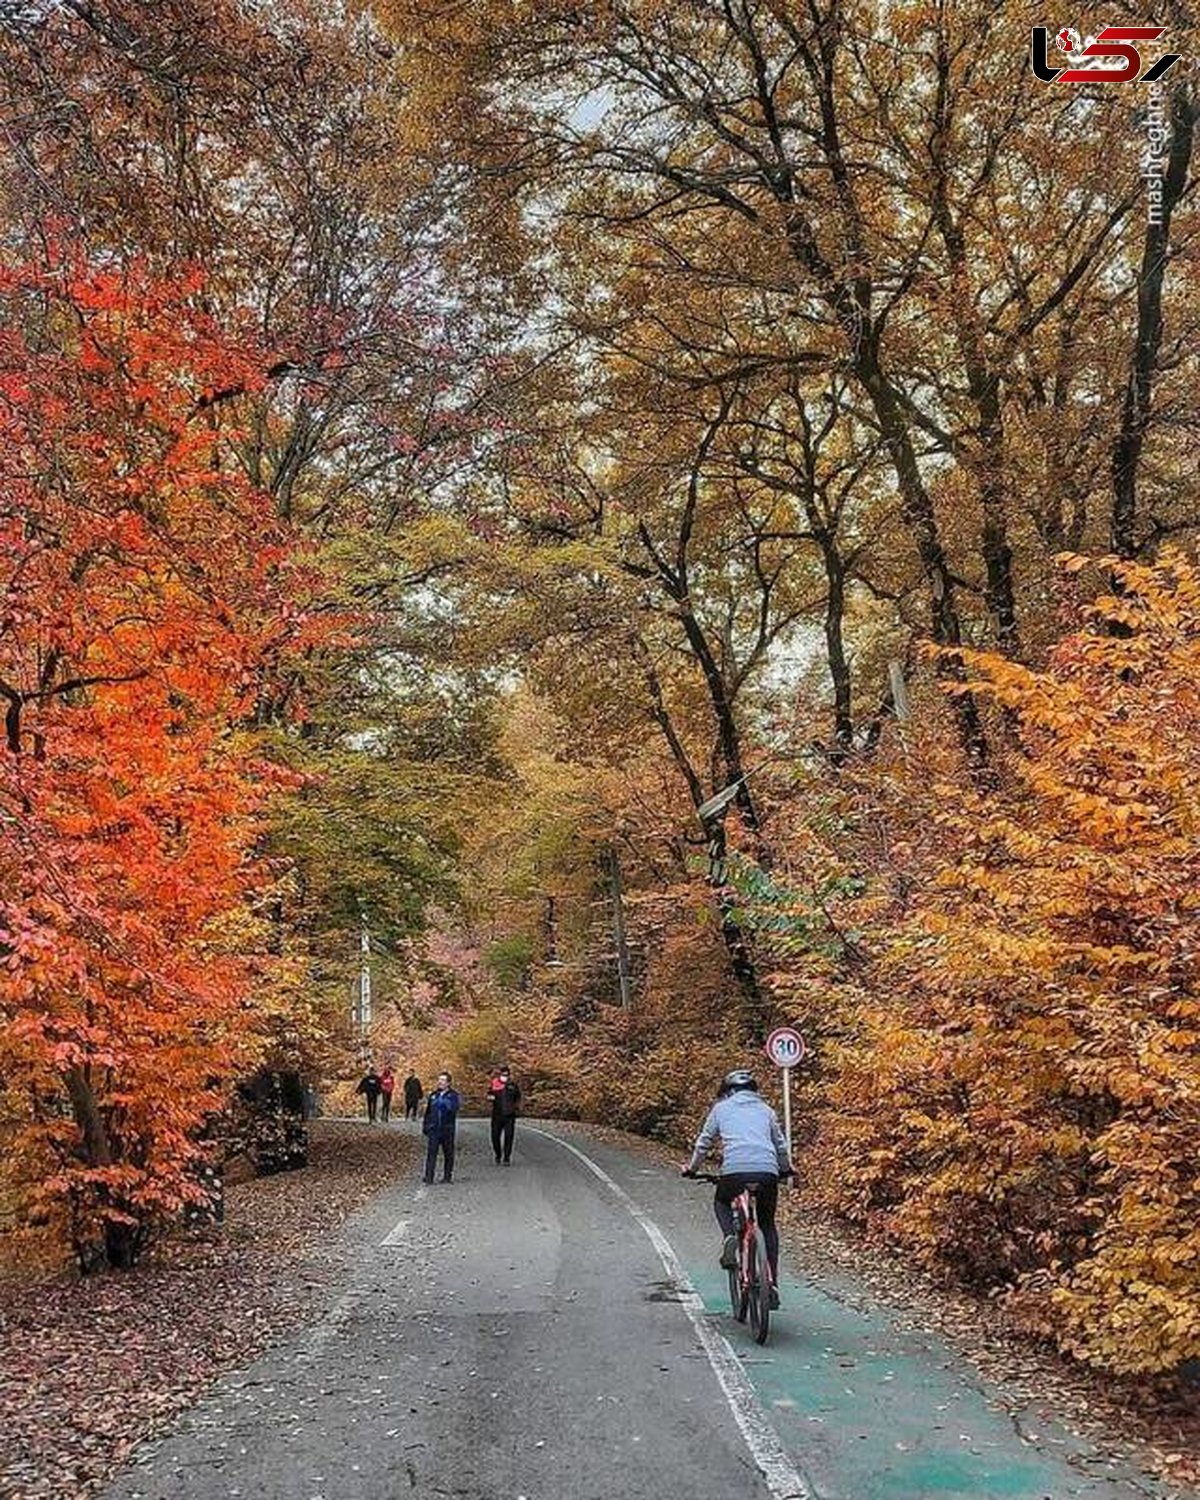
pixel 146 593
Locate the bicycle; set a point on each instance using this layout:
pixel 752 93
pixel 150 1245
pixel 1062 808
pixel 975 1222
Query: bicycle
pixel 750 1283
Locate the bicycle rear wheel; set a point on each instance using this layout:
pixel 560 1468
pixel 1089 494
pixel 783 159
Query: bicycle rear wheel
pixel 760 1289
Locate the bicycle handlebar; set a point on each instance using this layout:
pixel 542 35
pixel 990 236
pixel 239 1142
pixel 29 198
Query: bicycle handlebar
pixel 714 1177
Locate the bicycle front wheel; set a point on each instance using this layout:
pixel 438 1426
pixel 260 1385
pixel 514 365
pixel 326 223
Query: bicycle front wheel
pixel 760 1290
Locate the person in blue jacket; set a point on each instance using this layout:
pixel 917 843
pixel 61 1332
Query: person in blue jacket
pixel 441 1117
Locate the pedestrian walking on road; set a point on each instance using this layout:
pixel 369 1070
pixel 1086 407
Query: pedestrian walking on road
pixel 505 1096
pixel 413 1093
pixel 387 1086
pixel 368 1086
pixel 441 1118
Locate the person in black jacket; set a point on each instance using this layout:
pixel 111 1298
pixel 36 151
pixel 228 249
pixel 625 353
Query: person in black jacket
pixel 369 1085
pixel 413 1093
pixel 505 1096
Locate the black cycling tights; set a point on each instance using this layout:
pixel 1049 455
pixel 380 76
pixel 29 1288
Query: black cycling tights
pixel 767 1198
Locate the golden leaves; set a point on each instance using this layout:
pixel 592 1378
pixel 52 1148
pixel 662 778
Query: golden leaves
pixel 1019 1098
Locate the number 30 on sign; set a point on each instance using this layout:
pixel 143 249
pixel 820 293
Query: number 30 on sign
pixel 785 1047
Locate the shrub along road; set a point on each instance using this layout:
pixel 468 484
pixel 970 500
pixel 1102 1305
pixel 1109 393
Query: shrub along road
pixel 536 1332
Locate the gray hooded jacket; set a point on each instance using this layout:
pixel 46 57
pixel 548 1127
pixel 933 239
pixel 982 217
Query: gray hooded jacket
pixel 749 1130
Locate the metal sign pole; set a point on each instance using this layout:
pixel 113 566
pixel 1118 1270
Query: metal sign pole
pixel 785 1047
pixel 787 1109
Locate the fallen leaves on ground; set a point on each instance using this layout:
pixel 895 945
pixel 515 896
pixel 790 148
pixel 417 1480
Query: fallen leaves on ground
pixel 89 1368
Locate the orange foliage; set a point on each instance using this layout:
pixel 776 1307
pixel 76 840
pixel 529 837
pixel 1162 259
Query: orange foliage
pixel 1016 1093
pixel 145 591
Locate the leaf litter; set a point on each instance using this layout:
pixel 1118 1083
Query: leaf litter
pixel 90 1368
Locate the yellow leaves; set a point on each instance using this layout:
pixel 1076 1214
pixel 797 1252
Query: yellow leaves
pixel 1130 1309
pixel 1018 1099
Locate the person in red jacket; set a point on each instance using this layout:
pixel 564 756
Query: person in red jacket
pixel 387 1086
pixel 505 1096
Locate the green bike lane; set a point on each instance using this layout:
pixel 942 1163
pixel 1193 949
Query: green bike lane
pixel 867 1407
pixel 873 1412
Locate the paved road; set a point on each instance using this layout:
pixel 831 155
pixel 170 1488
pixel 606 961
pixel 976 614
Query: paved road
pixel 532 1332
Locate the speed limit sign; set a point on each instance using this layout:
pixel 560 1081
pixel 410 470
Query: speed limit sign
pixel 785 1047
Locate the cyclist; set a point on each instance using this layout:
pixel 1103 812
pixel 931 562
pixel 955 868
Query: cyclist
pixel 755 1155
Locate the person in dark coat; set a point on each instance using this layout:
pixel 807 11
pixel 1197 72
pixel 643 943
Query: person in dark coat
pixel 369 1086
pixel 505 1096
pixel 413 1093
pixel 441 1119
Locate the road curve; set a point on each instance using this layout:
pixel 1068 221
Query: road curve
pixel 531 1333
pixel 511 1334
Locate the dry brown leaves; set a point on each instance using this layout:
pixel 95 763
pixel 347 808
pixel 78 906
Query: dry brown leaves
pixel 89 1368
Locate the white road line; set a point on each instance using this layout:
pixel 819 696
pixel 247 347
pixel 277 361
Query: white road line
pixel 782 1477
pixel 335 1318
pixel 332 1321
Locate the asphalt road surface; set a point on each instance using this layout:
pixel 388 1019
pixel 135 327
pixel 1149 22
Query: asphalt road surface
pixel 556 1330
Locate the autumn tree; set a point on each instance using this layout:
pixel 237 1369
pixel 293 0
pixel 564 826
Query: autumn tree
pixel 273 150
pixel 840 192
pixel 150 595
pixel 1008 1004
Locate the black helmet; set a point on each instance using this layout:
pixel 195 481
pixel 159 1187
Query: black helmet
pixel 740 1078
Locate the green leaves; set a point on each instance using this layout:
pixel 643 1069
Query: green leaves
pixel 793 922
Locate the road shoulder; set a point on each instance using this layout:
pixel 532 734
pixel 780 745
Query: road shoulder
pixel 145 1345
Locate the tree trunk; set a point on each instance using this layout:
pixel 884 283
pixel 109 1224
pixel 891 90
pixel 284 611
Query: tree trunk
pixel 835 651
pixel 612 862
pixel 918 513
pixel 728 738
pixel 983 382
pixel 741 960
pixel 121 1241
pixel 97 1151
